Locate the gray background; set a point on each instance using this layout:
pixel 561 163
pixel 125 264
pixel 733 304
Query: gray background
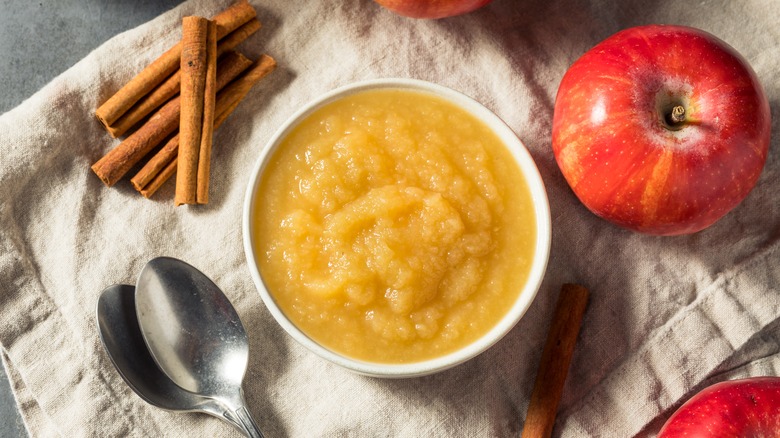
pixel 38 41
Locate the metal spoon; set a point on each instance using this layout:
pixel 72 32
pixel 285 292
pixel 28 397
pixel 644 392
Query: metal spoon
pixel 122 339
pixel 194 334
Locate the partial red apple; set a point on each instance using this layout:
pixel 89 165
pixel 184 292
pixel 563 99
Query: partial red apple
pixel 661 129
pixel 432 8
pixel 737 408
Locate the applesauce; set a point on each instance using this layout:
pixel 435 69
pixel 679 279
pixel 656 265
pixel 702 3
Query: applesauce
pixel 392 226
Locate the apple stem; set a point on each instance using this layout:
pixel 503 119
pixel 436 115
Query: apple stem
pixel 678 115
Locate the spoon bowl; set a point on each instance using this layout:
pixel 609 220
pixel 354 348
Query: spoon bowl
pixel 194 334
pixel 124 344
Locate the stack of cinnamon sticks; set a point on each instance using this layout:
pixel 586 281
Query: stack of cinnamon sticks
pixel 192 88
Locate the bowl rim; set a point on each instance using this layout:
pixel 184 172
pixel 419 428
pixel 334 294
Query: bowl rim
pixel 541 213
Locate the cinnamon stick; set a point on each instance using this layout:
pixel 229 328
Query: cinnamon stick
pixel 239 87
pixel 115 164
pixel 164 66
pixel 163 165
pixel 554 365
pixel 156 164
pixel 170 87
pixel 207 135
pixel 160 178
pixel 233 39
pixel 163 93
pixel 196 37
pixel 159 168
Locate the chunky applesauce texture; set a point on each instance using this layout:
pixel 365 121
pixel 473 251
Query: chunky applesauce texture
pixel 393 227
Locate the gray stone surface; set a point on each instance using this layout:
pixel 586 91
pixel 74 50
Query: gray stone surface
pixel 38 41
pixel 10 422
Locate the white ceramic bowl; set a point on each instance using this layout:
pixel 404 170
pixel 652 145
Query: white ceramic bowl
pixel 526 296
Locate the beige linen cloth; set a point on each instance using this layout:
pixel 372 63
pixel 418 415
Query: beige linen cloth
pixel 667 315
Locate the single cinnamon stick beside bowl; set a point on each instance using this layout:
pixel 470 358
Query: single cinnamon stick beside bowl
pixel 118 161
pixel 164 66
pixel 554 365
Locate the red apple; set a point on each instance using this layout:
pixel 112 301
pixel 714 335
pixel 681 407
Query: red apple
pixel 661 129
pixel 737 408
pixel 432 8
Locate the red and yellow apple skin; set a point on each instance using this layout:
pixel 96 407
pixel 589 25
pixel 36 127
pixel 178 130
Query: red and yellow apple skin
pixel 432 8
pixel 624 156
pixel 737 408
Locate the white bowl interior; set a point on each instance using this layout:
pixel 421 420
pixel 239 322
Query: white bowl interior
pixel 542 215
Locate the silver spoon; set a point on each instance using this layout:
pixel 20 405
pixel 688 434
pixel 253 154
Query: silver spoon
pixel 194 334
pixel 122 340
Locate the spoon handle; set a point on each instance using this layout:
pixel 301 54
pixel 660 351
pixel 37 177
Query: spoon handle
pixel 250 427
